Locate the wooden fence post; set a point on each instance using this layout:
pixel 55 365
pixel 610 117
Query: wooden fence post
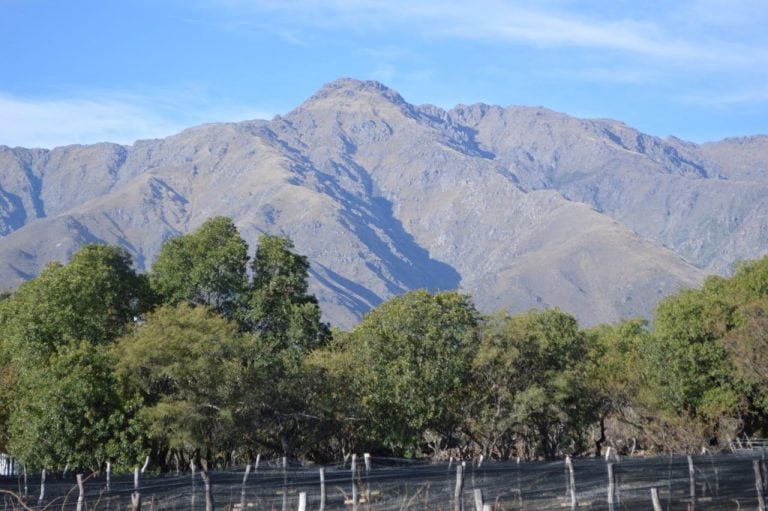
pixel 136 495
pixel 242 492
pixel 207 483
pixel 354 484
pixel 478 493
pixel 611 490
pixel 193 469
pixel 571 481
pixel 322 489
pixel 303 501
pixel 655 499
pixel 135 501
pixel 457 492
pixel 109 474
pixel 285 483
pixel 367 458
pixel 81 494
pixel 692 478
pixel 759 485
pixel 42 489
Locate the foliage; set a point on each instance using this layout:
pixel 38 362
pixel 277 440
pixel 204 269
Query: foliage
pixel 617 378
pixel 89 373
pixel 748 346
pixel 184 364
pixel 616 362
pixel 206 267
pixel 408 361
pixel 285 324
pixel 69 412
pixel 280 307
pixel 531 394
pixel 689 364
pixel 92 298
pixel 56 386
pixel 7 386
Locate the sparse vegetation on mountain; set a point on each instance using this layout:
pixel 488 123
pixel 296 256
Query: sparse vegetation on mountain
pixel 521 207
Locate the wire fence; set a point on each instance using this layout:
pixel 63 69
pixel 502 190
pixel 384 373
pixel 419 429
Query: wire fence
pixel 706 482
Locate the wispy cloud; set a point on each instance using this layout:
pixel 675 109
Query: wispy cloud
pixel 293 37
pixel 119 117
pixel 544 23
pixel 728 98
pixel 622 75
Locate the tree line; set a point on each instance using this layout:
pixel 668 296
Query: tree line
pixel 213 356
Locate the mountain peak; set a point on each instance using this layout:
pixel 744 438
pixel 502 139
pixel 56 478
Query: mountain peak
pixel 520 206
pixel 350 87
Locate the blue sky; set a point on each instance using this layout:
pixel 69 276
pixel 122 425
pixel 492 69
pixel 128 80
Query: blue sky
pixel 83 71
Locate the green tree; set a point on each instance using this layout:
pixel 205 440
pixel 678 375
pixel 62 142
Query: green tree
pixel 530 386
pixel 185 365
pixel 285 323
pixel 409 364
pixel 58 406
pixel 206 267
pixel 92 298
pixel 7 385
pixel 616 377
pixel 747 344
pixel 281 308
pixel 336 399
pixel 750 281
pixel 690 370
pixel 69 412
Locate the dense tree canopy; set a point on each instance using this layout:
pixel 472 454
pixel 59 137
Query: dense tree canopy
pixel 92 298
pixel 531 395
pixel 206 267
pixel 280 307
pixel 184 365
pixel 70 412
pixel 204 358
pixel 55 372
pixel 408 366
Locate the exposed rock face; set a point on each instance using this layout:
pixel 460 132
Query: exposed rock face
pixel 520 207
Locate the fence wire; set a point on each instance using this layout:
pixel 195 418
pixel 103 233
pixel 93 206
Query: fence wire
pixel 717 482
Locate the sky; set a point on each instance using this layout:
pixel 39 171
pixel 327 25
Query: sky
pixel 86 71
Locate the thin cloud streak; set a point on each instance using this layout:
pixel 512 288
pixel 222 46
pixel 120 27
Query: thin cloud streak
pixel 48 123
pixel 527 23
pixel 727 99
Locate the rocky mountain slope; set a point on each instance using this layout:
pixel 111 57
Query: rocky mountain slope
pixel 520 207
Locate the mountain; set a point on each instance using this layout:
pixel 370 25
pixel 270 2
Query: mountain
pixel 520 207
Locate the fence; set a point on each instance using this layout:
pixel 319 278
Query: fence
pixel 7 465
pixel 717 482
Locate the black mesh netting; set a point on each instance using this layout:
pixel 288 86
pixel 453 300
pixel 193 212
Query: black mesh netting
pixel 730 481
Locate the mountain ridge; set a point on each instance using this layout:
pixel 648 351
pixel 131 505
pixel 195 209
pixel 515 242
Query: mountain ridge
pixel 519 206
